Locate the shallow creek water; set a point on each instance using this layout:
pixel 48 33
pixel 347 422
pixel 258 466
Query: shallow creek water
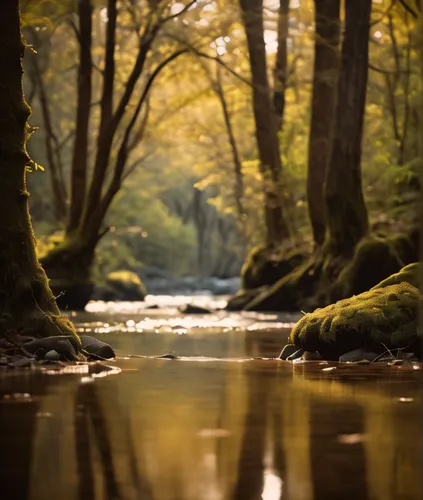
pixel 214 424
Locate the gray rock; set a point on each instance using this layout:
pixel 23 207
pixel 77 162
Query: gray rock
pixel 287 351
pixel 311 356
pixel 21 362
pixel 96 348
pixel 297 354
pixel 397 362
pixel 166 356
pixel 65 346
pixel 358 355
pixel 192 309
pixel 52 356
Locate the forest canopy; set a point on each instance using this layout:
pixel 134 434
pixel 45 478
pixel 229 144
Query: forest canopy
pixel 182 181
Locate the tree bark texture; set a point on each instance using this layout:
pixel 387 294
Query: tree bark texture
pixel 54 168
pixel 26 302
pixel 281 66
pixel 78 181
pixel 325 79
pixel 266 123
pixel 347 218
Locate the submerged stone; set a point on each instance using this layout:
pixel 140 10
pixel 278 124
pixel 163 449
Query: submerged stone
pixel 191 309
pixel 311 356
pixel 296 355
pixel 287 351
pixel 166 356
pixel 358 355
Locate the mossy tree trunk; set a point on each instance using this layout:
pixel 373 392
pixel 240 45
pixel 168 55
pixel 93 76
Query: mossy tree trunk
pixel 26 303
pixel 347 219
pixel 325 79
pixel 266 123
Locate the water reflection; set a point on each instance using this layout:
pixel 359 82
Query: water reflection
pixel 173 430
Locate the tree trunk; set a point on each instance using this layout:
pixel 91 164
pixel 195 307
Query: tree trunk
pixel 265 120
pixel 57 187
pixel 80 150
pixel 26 302
pixel 346 211
pixel 325 79
pixel 281 66
pixel 239 179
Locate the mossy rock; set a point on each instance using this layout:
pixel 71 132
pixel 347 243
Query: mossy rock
pixel 265 266
pixel 290 292
pixel 123 285
pixel 384 316
pixel 242 298
pixel 406 247
pixel 408 274
pixel 374 260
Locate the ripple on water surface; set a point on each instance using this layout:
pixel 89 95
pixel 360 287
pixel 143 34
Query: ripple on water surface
pixel 212 425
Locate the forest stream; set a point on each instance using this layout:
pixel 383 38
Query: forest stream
pixel 225 420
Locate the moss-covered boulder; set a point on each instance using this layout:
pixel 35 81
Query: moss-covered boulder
pixel 324 279
pixel 374 259
pixel 265 266
pixel 290 293
pixel 406 246
pixel 242 298
pixel 383 317
pixel 408 274
pixel 122 285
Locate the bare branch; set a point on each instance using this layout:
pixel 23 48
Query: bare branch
pixel 180 13
pixel 386 71
pixel 409 9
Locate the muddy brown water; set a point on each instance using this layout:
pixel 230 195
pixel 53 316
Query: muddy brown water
pixel 214 424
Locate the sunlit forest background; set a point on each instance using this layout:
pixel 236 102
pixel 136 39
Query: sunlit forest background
pixel 189 199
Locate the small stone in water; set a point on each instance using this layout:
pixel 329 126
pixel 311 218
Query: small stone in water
pixel 311 356
pixel 297 354
pixel 21 362
pixel 52 356
pixel 397 362
pixel 167 356
pixel 96 348
pixel 287 351
pixel 358 355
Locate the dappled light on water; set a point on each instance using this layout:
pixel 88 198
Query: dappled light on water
pixel 221 422
pixel 257 430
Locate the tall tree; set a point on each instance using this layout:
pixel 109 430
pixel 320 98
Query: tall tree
pixel 120 127
pixel 347 219
pixel 266 122
pixel 281 64
pixel 325 79
pixel 27 304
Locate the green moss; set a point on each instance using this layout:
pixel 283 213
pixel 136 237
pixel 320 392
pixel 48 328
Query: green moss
pixel 380 316
pixel 290 292
pixel 265 266
pixel 405 247
pixel 124 285
pixel 47 244
pixel 242 298
pixel 374 259
pixel 408 274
